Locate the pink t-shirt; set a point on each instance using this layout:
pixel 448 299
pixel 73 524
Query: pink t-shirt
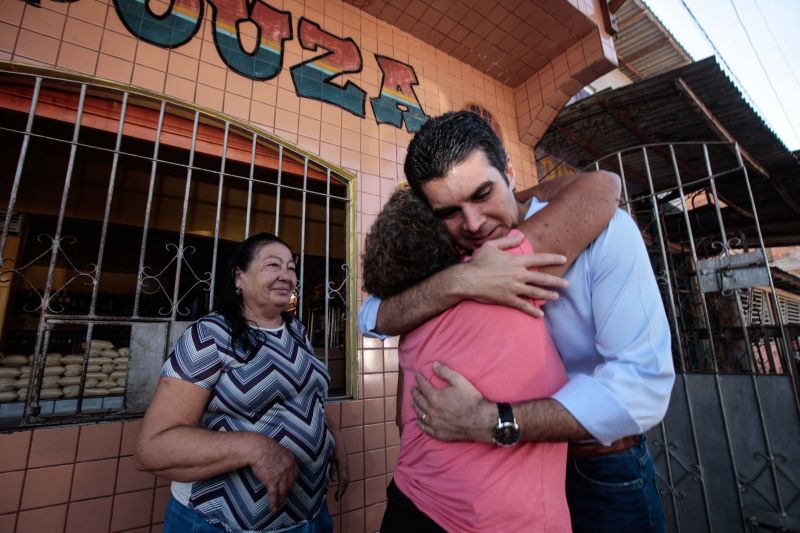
pixel 469 486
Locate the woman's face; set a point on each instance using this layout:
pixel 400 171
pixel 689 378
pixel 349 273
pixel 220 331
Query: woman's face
pixel 270 279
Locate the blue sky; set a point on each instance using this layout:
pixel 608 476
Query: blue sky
pixel 774 30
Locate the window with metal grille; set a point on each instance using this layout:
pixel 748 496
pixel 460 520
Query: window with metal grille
pixel 119 213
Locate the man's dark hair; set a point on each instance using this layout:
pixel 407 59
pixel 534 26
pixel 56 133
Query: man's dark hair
pixel 447 140
pixel 405 245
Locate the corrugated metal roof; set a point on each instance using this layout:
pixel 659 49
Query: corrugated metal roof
pixel 659 111
pixel 645 48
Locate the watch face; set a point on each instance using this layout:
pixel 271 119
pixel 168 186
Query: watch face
pixel 506 433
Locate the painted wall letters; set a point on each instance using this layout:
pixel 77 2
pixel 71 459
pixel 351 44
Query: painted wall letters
pixel 175 27
pixel 312 78
pixel 397 103
pixel 273 27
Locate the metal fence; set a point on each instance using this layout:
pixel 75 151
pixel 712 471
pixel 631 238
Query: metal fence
pixel 726 452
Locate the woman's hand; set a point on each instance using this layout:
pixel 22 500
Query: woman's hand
pixel 340 467
pixel 276 468
pixel 496 277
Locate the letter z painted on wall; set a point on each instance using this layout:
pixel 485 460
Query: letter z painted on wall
pixel 312 78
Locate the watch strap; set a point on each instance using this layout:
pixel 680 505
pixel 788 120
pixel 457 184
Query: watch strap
pixel 505 413
pixel 507 431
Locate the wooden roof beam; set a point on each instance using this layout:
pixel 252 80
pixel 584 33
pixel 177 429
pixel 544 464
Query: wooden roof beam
pixel 643 136
pixel 639 15
pixel 629 124
pixel 647 50
pixel 609 19
pixel 630 67
pixel 711 121
pixel 596 153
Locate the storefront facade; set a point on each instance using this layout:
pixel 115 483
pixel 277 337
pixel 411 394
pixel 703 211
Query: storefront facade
pixel 142 140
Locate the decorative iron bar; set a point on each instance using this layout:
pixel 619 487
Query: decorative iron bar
pixel 673 195
pixel 301 285
pixel 149 207
pixel 217 215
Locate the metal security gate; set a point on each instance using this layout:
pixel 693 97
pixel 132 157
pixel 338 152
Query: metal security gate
pixel 727 451
pixel 119 211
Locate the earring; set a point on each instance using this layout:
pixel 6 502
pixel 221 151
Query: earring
pixel 238 291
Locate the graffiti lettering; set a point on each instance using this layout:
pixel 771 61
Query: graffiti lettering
pixel 312 78
pixel 398 102
pixel 172 29
pixel 273 27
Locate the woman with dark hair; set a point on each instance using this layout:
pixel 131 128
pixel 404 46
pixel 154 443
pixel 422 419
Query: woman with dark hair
pixel 507 354
pixel 238 420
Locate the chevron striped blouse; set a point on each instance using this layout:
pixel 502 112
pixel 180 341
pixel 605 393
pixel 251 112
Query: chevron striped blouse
pixel 278 391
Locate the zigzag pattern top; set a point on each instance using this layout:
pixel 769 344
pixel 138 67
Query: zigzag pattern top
pixel 277 390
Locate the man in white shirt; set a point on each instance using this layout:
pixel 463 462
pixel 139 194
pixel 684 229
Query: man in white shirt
pixel 608 324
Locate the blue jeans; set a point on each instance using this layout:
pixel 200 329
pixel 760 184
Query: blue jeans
pixel 615 493
pixel 180 519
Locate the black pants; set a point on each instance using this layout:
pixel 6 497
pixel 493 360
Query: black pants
pixel 402 516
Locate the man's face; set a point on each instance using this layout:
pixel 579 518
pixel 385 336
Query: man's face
pixel 473 201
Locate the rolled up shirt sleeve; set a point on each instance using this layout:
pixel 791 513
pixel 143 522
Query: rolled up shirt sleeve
pixel 368 318
pixel 623 388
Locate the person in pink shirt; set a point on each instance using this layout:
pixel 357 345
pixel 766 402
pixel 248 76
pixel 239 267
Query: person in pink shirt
pixel 506 353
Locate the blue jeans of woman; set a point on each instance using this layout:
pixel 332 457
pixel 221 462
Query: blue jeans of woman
pixel 180 519
pixel 615 493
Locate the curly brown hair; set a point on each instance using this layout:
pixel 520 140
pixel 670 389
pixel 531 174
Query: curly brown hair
pixel 405 245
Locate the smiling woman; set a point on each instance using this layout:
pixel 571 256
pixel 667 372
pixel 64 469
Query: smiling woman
pixel 238 419
pixel 267 285
pixel 261 283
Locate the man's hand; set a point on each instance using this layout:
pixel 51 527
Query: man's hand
pixel 456 412
pixel 496 277
pixel 276 468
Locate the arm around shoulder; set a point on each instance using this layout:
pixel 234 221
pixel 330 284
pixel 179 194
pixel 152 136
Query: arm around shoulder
pixel 580 207
pixel 403 312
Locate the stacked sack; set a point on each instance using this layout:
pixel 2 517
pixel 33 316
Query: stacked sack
pixel 105 374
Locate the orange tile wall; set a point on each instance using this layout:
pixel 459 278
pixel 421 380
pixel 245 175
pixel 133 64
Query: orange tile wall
pixel 81 478
pixel 77 479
